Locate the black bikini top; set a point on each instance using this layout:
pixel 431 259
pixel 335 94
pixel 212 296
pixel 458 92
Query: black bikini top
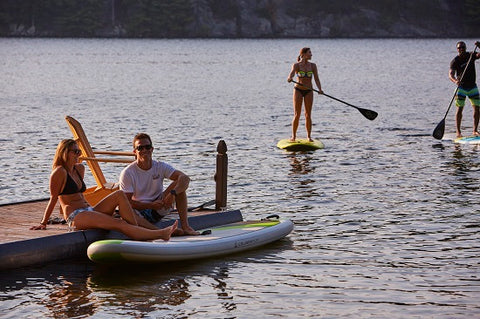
pixel 71 187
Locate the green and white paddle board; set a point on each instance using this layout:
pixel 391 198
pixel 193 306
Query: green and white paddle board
pixel 300 145
pixel 221 240
pixel 468 140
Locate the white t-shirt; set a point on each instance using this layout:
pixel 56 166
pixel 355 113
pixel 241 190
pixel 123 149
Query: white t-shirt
pixel 146 186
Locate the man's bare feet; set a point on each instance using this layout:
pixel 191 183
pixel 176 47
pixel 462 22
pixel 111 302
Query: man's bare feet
pixel 292 139
pixel 168 231
pixel 310 139
pixel 178 232
pixel 475 133
pixel 459 135
pixel 189 231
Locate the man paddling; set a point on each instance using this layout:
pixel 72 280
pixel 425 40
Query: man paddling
pixel 464 76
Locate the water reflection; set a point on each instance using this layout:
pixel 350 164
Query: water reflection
pixel 70 298
pixel 68 295
pixel 142 288
pixel 462 162
pixel 153 289
pixel 300 163
pixel 79 288
pixel 465 168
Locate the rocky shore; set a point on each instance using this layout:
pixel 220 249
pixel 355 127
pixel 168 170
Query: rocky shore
pixel 242 19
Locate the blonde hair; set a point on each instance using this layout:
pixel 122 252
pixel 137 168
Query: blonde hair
pixel 61 154
pixel 302 52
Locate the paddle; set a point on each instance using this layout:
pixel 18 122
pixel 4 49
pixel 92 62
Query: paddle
pixel 440 128
pixel 369 114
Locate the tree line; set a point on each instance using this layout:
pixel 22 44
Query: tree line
pixel 197 18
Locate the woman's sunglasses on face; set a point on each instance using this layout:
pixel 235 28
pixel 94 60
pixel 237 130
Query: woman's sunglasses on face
pixel 76 151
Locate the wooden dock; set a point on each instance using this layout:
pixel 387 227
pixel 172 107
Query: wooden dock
pixel 20 246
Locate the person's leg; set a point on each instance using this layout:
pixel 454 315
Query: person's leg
pixel 476 117
pixel 308 114
pixel 460 103
pixel 475 100
pixel 181 203
pixel 297 110
pixel 458 121
pixel 89 220
pixel 120 200
pixel 182 208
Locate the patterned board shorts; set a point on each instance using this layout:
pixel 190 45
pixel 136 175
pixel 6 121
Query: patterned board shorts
pixel 472 94
pixel 153 216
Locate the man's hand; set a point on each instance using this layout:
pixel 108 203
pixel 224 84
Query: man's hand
pixel 169 200
pixel 165 203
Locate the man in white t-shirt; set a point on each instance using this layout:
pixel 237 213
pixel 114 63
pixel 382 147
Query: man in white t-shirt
pixel 142 182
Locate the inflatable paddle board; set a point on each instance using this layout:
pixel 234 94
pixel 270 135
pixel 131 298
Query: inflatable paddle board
pixel 468 140
pixel 300 145
pixel 221 240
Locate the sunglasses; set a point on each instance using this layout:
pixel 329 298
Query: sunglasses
pixel 144 147
pixel 461 47
pixel 76 151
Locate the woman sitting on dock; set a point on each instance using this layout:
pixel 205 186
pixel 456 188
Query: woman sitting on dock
pixel 66 185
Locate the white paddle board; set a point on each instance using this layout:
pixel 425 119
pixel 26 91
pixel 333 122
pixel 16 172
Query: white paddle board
pixel 219 240
pixel 468 140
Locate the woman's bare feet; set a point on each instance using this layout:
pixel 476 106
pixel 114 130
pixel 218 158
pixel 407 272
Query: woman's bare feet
pixel 168 231
pixel 475 133
pixel 310 139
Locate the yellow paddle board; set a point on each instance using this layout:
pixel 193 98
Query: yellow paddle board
pixel 300 145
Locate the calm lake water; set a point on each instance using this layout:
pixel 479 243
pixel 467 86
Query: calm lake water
pixel 387 219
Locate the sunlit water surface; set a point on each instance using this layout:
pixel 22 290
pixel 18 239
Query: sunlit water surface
pixel 386 218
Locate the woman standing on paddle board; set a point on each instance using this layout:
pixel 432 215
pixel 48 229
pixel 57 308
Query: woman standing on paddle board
pixel 67 186
pixel 302 92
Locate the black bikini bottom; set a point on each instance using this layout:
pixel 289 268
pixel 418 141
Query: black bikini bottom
pixel 303 92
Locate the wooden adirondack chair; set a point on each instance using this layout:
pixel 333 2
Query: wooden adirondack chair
pixel 96 193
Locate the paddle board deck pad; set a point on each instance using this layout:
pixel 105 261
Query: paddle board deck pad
pixel 221 240
pixel 300 145
pixel 468 140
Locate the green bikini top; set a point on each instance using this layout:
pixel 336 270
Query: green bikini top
pixel 303 74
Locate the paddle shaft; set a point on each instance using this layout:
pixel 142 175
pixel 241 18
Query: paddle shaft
pixel 334 98
pixel 371 115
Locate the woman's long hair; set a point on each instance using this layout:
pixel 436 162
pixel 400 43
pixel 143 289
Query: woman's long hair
pixel 302 52
pixel 61 155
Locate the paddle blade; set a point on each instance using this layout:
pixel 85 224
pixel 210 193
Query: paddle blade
pixel 439 130
pixel 369 114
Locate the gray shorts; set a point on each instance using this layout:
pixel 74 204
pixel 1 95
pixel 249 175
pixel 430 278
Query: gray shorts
pixel 71 217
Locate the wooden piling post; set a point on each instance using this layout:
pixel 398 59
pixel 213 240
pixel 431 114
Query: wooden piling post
pixel 221 176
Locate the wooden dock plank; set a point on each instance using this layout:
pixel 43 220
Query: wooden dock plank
pixel 16 220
